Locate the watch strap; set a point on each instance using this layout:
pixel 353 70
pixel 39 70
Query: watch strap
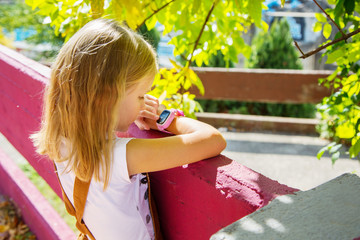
pixel 173 113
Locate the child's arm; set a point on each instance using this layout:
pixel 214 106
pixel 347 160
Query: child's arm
pixel 193 142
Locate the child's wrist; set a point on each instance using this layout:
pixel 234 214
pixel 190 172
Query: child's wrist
pixel 166 119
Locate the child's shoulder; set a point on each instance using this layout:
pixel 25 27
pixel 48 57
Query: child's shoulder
pixel 120 141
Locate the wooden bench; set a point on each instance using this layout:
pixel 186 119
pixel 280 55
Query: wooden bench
pixel 194 201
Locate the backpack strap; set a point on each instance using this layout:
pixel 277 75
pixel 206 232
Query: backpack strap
pixel 80 193
pixel 154 213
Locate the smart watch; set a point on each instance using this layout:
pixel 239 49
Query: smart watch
pixel 166 118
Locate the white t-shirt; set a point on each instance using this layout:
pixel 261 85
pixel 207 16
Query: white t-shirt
pixel 122 210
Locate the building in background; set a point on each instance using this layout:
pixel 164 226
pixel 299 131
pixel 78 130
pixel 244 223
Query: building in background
pixel 300 15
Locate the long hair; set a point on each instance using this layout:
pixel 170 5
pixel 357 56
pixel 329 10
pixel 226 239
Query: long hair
pixel 88 80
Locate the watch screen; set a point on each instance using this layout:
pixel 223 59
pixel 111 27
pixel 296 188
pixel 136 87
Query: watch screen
pixel 163 116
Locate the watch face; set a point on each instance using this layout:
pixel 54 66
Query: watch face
pixel 163 116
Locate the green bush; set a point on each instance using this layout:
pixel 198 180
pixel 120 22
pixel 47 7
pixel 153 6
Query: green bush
pixel 274 49
pixel 214 61
pixel 254 108
pixel 152 36
pixel 18 15
pixel 271 49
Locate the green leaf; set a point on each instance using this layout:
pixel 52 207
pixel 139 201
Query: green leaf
pixel 335 148
pixel 355 149
pixel 333 75
pixel 320 17
pixel 355 98
pixel 339 8
pixel 282 3
pixel 345 130
pixel 195 7
pixel 168 29
pixel 354 54
pixel 333 57
pixel 335 157
pixel 255 8
pixel 327 30
pixel 233 54
pixel 349 6
pixel 150 23
pixel 317 27
pixel 321 152
pixel 264 26
pixel 175 64
pixel 196 81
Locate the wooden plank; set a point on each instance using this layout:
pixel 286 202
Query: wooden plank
pixel 262 85
pixel 254 123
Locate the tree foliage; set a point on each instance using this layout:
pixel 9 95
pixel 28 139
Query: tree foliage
pixel 152 36
pixel 341 111
pixel 274 49
pixel 4 40
pixel 18 15
pixel 198 30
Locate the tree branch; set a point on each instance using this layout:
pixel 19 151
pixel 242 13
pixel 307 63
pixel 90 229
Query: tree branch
pixel 156 11
pixel 327 15
pixel 296 44
pixel 345 37
pixel 201 31
pixel 182 90
pixel 181 55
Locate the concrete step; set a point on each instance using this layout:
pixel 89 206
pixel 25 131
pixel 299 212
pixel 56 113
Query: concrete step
pixel 253 123
pixel 329 211
pixel 288 158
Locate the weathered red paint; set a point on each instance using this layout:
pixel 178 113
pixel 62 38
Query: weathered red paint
pixel 21 90
pixel 194 201
pixel 38 214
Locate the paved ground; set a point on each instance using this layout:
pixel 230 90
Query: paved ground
pixel 289 159
pixel 330 211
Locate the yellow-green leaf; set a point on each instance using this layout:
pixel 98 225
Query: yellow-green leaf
pixel 255 7
pixel 264 26
pixel 317 27
pixel 168 29
pixel 345 131
pixel 355 149
pixel 174 64
pixel 150 23
pixel 195 7
pixel 332 57
pixel 327 30
pixel 97 8
pixel 282 3
pixel 196 81
pixel 320 17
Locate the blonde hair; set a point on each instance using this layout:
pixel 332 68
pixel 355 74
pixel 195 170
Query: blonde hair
pixel 88 80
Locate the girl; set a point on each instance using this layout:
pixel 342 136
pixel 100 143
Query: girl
pixel 98 86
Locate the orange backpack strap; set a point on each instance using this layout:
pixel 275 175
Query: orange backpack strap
pixel 154 214
pixel 80 193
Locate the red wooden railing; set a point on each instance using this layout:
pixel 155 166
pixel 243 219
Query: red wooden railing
pixel 194 201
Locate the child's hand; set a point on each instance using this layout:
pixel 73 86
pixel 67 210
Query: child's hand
pixel 150 113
